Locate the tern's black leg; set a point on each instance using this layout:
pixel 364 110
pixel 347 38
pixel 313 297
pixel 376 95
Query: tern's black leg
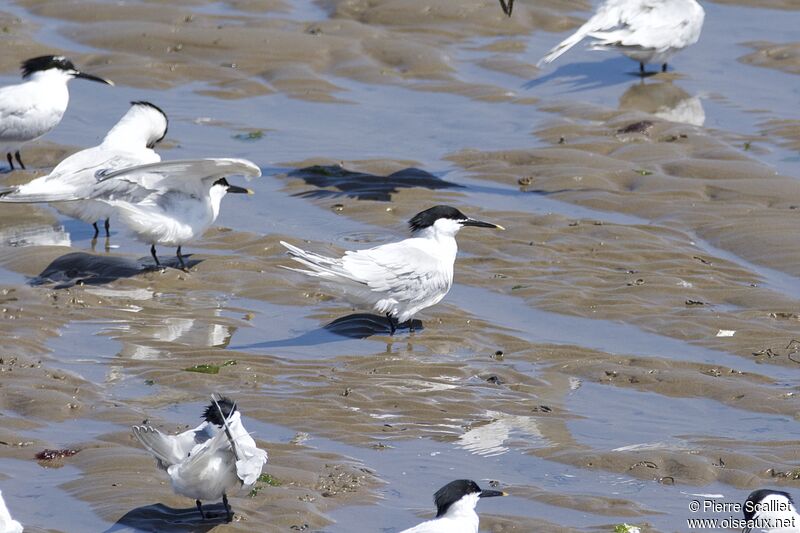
pixel 392 327
pixel 155 257
pixel 664 67
pixel 19 160
pixel 227 507
pixel 108 228
pixel 200 508
pixel 96 231
pixel 641 68
pixel 10 160
pixel 180 259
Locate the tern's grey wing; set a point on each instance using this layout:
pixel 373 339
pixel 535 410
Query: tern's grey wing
pixel 401 271
pixel 75 178
pixel 185 174
pixel 652 24
pixel 169 449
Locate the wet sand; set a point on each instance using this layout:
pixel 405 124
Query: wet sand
pixel 578 361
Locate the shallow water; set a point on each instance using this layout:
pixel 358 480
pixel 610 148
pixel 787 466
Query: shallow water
pixel 567 363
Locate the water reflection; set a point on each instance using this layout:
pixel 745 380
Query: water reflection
pixel 489 439
pixel 185 331
pixel 34 235
pixel 664 100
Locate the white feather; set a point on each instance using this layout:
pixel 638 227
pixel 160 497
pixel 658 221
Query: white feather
pixel 171 202
pixel 648 31
pixel 7 524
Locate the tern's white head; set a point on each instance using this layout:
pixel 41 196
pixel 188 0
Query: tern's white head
pixel 772 511
pixel 443 221
pixel 459 498
pixel 144 123
pixel 55 69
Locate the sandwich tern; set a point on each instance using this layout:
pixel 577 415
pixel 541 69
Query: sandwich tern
pixel 207 462
pixel 647 31
pixel 7 524
pixel 171 202
pixel 398 279
pixel 455 508
pixel 770 511
pixel 130 142
pixel 34 107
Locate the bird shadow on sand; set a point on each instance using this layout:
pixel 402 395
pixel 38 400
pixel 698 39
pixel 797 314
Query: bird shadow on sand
pixel 90 269
pixel 591 74
pixel 365 186
pixel 354 326
pixel 159 517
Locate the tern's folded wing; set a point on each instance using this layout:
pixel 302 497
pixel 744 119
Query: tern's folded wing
pixel 651 25
pixel 183 174
pixel 404 272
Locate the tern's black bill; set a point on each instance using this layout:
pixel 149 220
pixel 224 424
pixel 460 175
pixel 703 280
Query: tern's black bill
pixel 491 493
pixel 236 189
pixel 92 77
pixel 480 224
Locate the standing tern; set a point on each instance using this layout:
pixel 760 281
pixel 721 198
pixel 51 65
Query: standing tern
pixel 770 511
pixel 33 108
pixel 171 202
pixel 647 31
pixel 207 462
pixel 455 508
pixel 7 524
pixel 398 279
pixel 130 142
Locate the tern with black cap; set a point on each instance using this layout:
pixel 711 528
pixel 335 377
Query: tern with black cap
pixel 129 143
pixel 398 279
pixel 770 511
pixel 455 508
pixel 171 203
pixel 210 461
pixel 32 108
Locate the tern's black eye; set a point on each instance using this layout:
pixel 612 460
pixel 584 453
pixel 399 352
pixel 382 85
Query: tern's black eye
pixel 223 182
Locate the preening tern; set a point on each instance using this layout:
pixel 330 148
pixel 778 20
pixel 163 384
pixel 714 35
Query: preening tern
pixel 647 31
pixel 35 106
pixel 129 143
pixel 397 279
pixel 7 524
pixel 455 508
pixel 207 462
pixel 770 511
